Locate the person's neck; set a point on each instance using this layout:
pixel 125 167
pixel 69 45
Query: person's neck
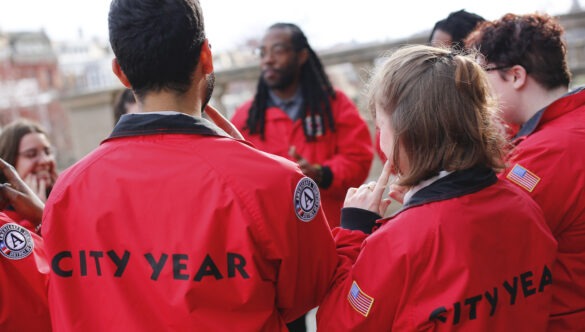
pixel 169 101
pixel 538 98
pixel 287 92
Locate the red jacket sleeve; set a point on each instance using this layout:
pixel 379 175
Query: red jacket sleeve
pixel 303 250
pixel 24 274
pixel 349 304
pixel 312 270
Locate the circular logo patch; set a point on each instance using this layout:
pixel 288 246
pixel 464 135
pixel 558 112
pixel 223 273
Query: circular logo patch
pixel 15 241
pixel 307 199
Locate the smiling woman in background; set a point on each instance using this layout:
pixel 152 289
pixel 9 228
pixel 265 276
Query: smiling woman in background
pixel 25 145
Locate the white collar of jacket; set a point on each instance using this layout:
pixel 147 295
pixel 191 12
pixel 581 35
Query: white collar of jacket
pixel 453 185
pixel 423 184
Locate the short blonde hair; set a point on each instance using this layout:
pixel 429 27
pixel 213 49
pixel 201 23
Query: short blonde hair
pixel 441 112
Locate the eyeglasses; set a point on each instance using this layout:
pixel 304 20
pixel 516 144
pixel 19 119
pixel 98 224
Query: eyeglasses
pixel 276 50
pixel 496 68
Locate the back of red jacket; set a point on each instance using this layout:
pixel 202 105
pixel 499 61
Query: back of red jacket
pixel 183 231
pixel 549 164
pixel 480 261
pixel 23 276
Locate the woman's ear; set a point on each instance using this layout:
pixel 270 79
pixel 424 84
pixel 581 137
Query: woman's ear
pixel 120 74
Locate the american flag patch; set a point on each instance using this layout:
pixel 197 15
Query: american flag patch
pixel 523 177
pixel 359 300
pixel 4 248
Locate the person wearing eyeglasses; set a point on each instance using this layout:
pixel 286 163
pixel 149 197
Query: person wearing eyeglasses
pixel 296 113
pixel 467 251
pixel 525 57
pixel 25 145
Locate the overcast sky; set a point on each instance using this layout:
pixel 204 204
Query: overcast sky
pixel 230 23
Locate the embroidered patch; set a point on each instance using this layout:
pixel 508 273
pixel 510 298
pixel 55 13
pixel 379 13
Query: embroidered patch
pixel 15 241
pixel 307 199
pixel 523 177
pixel 359 300
pixel 318 130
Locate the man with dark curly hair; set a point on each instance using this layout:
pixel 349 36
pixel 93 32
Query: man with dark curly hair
pixel 525 57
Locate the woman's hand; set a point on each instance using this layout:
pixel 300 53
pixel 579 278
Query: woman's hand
pixel 397 192
pixel 22 198
pixel 369 196
pixel 37 185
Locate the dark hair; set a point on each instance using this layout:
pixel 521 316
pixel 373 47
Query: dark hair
pixel 120 105
pixel 458 24
pixel 440 112
pixel 533 41
pixel 315 88
pixel 157 42
pixel 11 136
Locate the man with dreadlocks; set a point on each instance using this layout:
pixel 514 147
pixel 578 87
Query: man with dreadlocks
pixel 297 114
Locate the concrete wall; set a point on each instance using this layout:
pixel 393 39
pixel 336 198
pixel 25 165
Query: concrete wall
pixel 91 118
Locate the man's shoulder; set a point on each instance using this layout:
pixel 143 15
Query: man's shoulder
pixel 248 158
pixel 557 136
pixel 74 172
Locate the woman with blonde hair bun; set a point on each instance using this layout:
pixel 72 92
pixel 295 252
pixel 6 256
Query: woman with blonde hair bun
pixel 467 251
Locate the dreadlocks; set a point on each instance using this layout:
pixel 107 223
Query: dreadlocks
pixel 316 90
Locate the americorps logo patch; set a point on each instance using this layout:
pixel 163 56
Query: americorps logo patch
pixel 307 199
pixel 15 241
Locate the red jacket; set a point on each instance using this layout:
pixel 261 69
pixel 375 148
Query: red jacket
pixel 17 218
pixel 549 163
pixel 465 253
pixel 347 152
pixel 170 226
pixel 24 273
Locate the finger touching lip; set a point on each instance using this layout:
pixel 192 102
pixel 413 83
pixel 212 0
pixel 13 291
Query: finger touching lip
pixel 43 174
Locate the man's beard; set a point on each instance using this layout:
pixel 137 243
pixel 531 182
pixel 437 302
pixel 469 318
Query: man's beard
pixel 286 79
pixel 209 90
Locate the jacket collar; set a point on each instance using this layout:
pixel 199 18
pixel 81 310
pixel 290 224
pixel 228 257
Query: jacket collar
pixel 139 124
pixel 529 126
pixel 454 185
pixel 559 107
